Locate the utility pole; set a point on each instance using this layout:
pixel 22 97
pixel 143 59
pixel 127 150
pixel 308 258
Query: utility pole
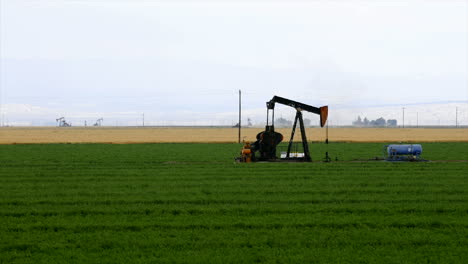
pixel 456 116
pixel 239 140
pixel 143 119
pixel 403 117
pixel 417 119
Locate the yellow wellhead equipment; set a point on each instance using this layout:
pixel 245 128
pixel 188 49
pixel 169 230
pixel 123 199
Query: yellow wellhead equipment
pixel 246 153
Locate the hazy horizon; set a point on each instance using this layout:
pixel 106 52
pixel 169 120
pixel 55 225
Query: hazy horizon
pixel 183 62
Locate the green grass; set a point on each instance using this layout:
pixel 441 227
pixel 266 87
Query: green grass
pixel 97 203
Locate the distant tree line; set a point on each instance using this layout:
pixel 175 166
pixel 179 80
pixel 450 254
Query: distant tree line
pixel 379 122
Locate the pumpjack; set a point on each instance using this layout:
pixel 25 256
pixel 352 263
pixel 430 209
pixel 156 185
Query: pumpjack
pixel 268 140
pixel 62 123
pixel 99 122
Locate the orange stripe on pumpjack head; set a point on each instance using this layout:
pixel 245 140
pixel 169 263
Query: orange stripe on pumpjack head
pixel 323 115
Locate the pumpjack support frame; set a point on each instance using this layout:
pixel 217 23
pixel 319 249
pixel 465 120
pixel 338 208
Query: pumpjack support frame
pixel 305 145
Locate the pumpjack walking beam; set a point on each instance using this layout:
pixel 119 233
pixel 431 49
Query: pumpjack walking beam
pixel 322 111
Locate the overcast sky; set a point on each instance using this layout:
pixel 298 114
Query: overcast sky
pixel 183 62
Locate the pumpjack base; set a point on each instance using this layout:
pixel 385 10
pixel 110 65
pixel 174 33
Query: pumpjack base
pixel 284 160
pixel 292 160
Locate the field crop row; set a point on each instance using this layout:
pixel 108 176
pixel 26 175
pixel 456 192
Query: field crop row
pixel 192 203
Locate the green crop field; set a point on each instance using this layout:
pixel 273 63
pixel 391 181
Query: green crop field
pixel 190 203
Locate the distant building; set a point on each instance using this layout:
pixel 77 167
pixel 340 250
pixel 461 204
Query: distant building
pixel 391 123
pixel 358 122
pixel 379 122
